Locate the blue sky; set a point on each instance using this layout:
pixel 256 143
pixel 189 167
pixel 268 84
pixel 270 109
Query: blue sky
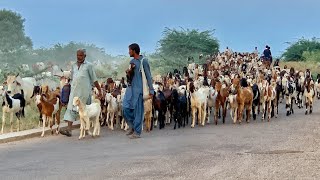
pixel 114 24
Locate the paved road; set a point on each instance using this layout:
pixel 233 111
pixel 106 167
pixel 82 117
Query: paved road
pixel 285 148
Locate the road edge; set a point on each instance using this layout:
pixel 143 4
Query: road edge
pixel 22 135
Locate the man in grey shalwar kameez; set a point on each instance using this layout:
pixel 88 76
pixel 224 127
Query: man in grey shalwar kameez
pixel 133 108
pixel 82 79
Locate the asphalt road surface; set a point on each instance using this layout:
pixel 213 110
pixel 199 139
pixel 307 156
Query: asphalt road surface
pixel 285 148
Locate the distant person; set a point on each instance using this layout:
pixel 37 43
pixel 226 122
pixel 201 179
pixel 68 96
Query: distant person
pixel 267 54
pixel 133 107
pixel 227 51
pixel 256 52
pixel 83 77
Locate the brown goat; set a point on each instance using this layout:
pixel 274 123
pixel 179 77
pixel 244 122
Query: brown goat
pixel 49 109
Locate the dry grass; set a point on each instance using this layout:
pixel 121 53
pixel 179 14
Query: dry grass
pixel 31 120
pixel 299 65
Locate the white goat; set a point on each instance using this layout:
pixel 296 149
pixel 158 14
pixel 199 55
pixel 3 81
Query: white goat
pixel 88 113
pixel 199 103
pixel 111 109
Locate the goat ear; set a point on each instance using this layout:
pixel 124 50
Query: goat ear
pixel 18 84
pixel 61 70
pixel 4 83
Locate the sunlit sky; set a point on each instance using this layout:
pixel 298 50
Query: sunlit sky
pixel 114 24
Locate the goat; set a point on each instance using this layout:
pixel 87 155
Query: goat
pixel 318 86
pixel 88 113
pixel 50 109
pixel 124 124
pixel 256 100
pixel 160 106
pixel 13 105
pixel 222 95
pixel 309 95
pixel 179 103
pixel 269 95
pixel 244 99
pixel 183 105
pixel 289 90
pixel 148 114
pixel 233 106
pixel 212 102
pixel 199 103
pixel 111 109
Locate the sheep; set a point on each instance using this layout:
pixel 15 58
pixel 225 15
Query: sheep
pixel 88 113
pixel 49 109
pixel 12 105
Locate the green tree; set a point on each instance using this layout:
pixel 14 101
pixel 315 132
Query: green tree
pixel 177 45
pixel 12 33
pixel 296 50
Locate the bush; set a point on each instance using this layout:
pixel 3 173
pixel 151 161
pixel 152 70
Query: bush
pixel 295 51
pixel 311 56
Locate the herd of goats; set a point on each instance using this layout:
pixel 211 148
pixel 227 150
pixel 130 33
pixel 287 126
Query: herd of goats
pixel 244 83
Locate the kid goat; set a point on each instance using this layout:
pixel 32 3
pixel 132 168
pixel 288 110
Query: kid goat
pixel 50 110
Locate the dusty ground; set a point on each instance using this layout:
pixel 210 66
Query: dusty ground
pixel 285 148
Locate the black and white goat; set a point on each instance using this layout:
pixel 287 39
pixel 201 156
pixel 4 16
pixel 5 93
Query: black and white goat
pixel 318 86
pixel 12 105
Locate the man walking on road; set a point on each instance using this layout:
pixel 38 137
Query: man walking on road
pixel 133 107
pixel 82 79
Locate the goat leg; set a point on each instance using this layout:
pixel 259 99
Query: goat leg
pixel 3 121
pixel 81 128
pixel 11 122
pixel 193 117
pixel 307 104
pixel 224 114
pixel 43 124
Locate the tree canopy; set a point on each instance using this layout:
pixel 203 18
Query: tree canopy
pixel 12 33
pixel 177 45
pixel 296 50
